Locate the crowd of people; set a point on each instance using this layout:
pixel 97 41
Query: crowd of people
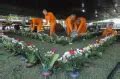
pixel 72 24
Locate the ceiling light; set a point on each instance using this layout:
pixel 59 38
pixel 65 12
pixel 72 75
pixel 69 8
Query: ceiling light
pixel 96 15
pixel 83 10
pixel 96 12
pixel 114 10
pixel 83 5
pixel 116 5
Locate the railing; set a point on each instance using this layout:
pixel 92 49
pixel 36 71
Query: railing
pixel 117 28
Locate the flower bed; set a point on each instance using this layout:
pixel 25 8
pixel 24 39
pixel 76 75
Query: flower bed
pixel 71 60
pixel 55 39
pixel 30 52
pixel 18 47
pixel 74 58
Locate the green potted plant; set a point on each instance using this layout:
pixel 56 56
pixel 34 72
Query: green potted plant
pixel 47 61
pixel 30 51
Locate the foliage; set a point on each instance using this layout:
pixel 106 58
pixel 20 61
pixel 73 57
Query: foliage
pixel 30 54
pixel 17 47
pixel 47 59
pixel 54 39
pixel 73 59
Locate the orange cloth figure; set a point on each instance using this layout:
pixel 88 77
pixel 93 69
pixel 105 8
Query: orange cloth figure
pixel 50 18
pixel 108 31
pixel 70 24
pixel 76 23
pixel 83 26
pixel 115 32
pixel 36 22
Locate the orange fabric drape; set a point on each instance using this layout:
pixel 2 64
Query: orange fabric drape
pixel 108 31
pixel 69 25
pixel 36 22
pixel 83 26
pixel 52 20
pixel 76 24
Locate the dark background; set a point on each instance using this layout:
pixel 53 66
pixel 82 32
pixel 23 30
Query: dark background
pixel 61 8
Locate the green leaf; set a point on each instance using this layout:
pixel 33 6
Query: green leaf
pixel 69 68
pixel 55 57
pixel 32 59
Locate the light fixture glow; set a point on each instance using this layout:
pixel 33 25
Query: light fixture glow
pixel 116 5
pixel 83 5
pixel 114 10
pixel 96 12
pixel 96 15
pixel 83 10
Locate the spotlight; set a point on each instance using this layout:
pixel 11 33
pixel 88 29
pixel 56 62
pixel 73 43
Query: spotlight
pixel 114 10
pixel 96 12
pixel 96 15
pixel 116 5
pixel 83 10
pixel 83 5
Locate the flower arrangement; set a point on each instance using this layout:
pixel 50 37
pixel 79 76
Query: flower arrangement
pixel 16 49
pixel 47 60
pixel 54 39
pixel 30 53
pixel 63 40
pixel 7 42
pixel 73 59
pixel 16 46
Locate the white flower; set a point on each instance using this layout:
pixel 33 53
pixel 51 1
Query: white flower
pixel 79 51
pixel 22 46
pixel 96 45
pixel 4 36
pixel 66 54
pixel 49 53
pixel 14 41
pixel 33 46
pixel 86 54
pixel 102 40
pixel 91 46
pixel 30 47
pixel 66 38
pixel 36 49
pixel 64 59
pixel 60 59
pixel 75 52
pixel 86 48
pixel 21 42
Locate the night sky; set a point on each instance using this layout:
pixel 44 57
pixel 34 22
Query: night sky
pixel 60 7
